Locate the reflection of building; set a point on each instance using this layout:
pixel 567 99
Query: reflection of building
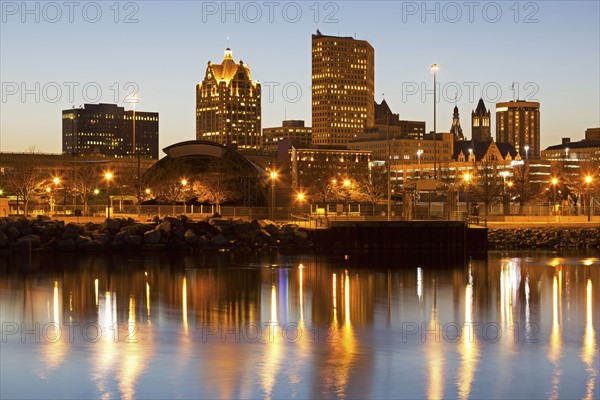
pixel 228 105
pixel 480 123
pixel 343 81
pixel 518 123
pixel 298 135
pixel 107 129
pixel 309 164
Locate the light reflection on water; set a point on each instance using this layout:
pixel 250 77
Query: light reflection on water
pixel 163 326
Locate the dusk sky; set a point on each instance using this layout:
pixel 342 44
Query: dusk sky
pixel 550 49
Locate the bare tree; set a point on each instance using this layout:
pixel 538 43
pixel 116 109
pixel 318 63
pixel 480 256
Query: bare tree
pixel 83 182
pixel 216 185
pixel 489 183
pixel 578 185
pixel 167 183
pixel 374 188
pixel 26 181
pixel 524 190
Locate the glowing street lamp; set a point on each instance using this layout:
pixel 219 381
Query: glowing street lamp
pixel 108 176
pixel 526 152
pixel 467 178
pixel 273 176
pixel 588 181
pixel 419 153
pixel 554 181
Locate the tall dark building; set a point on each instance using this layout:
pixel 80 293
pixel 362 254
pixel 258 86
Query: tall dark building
pixel 107 129
pixel 228 105
pixel 481 130
pixel 456 129
pixel 518 123
pixel 343 88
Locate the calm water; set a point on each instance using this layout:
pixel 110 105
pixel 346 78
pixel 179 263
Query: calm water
pixel 519 325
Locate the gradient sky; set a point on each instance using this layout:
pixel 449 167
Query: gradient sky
pixel 550 49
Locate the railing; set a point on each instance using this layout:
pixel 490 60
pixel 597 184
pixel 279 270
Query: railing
pixel 322 214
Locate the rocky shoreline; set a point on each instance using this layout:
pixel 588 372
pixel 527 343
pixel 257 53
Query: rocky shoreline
pixel 544 238
pixel 215 233
pixel 169 233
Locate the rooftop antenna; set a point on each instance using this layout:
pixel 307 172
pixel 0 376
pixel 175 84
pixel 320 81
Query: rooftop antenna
pixel 512 87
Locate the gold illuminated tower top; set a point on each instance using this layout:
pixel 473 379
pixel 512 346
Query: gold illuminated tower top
pixel 343 86
pixel 228 105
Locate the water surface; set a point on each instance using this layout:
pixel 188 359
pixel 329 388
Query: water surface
pixel 518 325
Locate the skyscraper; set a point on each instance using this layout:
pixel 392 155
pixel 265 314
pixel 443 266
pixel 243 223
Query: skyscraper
pixel 107 129
pixel 343 88
pixel 228 105
pixel 481 130
pixel 518 123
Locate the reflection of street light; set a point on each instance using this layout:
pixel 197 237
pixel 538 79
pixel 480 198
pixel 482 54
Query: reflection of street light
pixel 588 181
pixel 434 68
pixel 273 178
pixel 554 182
pixel 108 176
pixel 505 199
pixel 467 178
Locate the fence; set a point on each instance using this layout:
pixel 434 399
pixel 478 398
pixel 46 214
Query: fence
pixel 326 212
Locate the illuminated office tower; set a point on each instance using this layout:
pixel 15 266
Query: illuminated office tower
pixel 343 82
pixel 228 105
pixel 518 123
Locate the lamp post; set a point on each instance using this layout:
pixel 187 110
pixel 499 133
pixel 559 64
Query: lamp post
pixel 504 198
pixel 419 152
pixel 184 183
pixel 588 181
pixel 467 178
pixel 566 153
pixel 108 176
pixel 526 152
pixel 554 182
pixel 273 178
pixel 434 68
pixel 347 197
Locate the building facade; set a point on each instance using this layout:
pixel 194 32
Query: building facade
pixel 343 88
pixel 108 130
pixel 455 128
pixel 518 123
pixel 481 130
pixel 228 109
pixel 294 130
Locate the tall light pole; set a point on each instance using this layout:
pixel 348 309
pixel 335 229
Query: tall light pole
pixel 419 152
pixel 389 166
pixel 554 182
pixel 108 176
pixel 136 154
pixel 273 178
pixel 434 68
pixel 566 153
pixel 467 178
pixel 526 152
pixel 588 181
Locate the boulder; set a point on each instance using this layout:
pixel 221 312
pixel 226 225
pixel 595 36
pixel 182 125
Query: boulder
pixel 29 240
pixel 219 240
pixel 91 246
pixel 190 237
pixel 66 245
pixel 133 240
pixel 152 237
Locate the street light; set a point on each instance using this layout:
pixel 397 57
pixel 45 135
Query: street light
pixel 526 152
pixel 184 183
pixel 419 152
pixel 108 176
pixel 273 178
pixel 434 68
pixel 467 177
pixel 588 181
pixel 554 182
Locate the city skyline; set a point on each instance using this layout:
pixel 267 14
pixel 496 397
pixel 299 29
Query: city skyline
pixel 556 67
